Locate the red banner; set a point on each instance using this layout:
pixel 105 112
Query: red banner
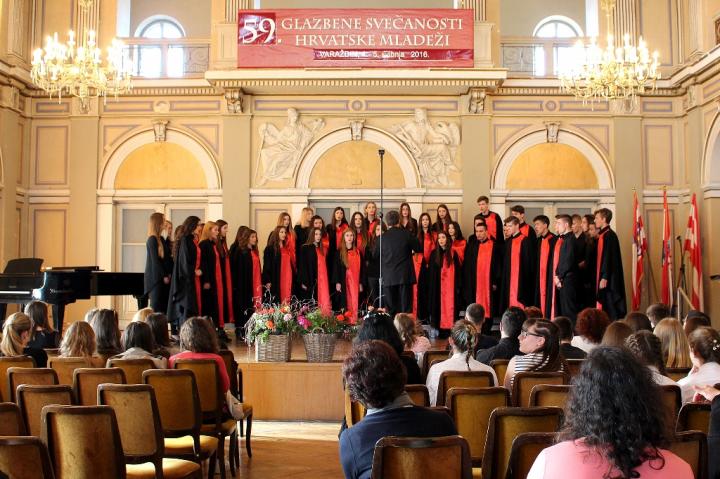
pixel 317 38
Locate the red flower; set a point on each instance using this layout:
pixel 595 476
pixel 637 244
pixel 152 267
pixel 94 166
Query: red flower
pixel 340 317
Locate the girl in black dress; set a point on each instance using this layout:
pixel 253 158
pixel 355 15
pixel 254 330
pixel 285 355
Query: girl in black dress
pixel 246 277
pixel 185 288
pixel 158 264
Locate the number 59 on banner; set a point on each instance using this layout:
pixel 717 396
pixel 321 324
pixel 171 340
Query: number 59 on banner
pixel 257 28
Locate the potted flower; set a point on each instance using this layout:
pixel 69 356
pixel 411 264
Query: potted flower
pixel 270 328
pixel 320 332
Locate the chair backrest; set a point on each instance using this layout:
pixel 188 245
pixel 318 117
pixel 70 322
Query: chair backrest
pixel 87 380
pixel 525 449
pixel 431 355
pixel 51 352
pixel 677 374
pixel 471 409
pixel 500 366
pixel 11 421
pixel 691 447
pixel 37 376
pixel 65 368
pixel 207 378
pixel 71 431
pixel 177 399
pixel 413 457
pixel 419 394
pixel 133 368
pixel 462 379
pixel 505 424
pixel 11 362
pixel 32 399
pixel 553 395
pixel 574 366
pixel 232 369
pixel 526 380
pixel 354 410
pixel 672 400
pixel 694 416
pixel 25 458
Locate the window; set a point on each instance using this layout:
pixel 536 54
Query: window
pixel 152 61
pixel 563 53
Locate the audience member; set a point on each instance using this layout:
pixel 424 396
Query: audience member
pixel 107 333
pixel 475 312
pixel 375 377
pixel 17 331
pixel 711 394
pixel 90 314
pixel 137 340
pixel 590 328
pixel 647 348
pixel 540 342
pixel 79 342
pixel 611 429
pixel 533 312
pixel 158 323
pixel 141 315
pixel 508 346
pixel 638 321
pixel 198 340
pixel 43 334
pixel 705 356
pixel 695 319
pixel 675 347
pixel 411 334
pixel 462 340
pixel 565 329
pixel 616 334
pixel 656 312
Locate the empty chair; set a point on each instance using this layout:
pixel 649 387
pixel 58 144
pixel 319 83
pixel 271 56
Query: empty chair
pixel 32 399
pixel 525 381
pixel 11 362
pixel 71 431
pixel 462 379
pixel 694 416
pixel 677 374
pixel 354 410
pixel 432 355
pixel 141 434
pixel 574 366
pixel 24 458
pixel 418 394
pixel 549 395
pixel 133 368
pixel 691 447
pixel 87 380
pixel 413 457
pixel 500 366
pixel 235 375
pixel 65 368
pixel 11 421
pixel 36 376
pixel 525 449
pixel 672 399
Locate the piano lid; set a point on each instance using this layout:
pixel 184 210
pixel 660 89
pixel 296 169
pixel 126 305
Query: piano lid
pixel 23 266
pixel 72 268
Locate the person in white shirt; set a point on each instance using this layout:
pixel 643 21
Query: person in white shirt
pixel 647 348
pixel 705 356
pixel 462 339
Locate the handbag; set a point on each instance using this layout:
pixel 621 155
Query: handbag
pixel 235 407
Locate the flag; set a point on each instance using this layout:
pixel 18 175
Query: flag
pixel 667 271
pixel 692 246
pixel 639 248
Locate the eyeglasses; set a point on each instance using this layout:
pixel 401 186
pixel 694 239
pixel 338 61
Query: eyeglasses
pixel 525 333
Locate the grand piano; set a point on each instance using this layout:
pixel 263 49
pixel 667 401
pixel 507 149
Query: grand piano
pixel 23 280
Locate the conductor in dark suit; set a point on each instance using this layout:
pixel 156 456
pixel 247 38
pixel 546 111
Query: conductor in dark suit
pixel 398 274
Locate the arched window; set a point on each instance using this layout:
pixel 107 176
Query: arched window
pixel 563 55
pixel 557 26
pixel 150 59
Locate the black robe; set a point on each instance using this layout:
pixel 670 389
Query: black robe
pixel 497 235
pixel 183 302
pixel 208 257
pixel 587 275
pixel 612 298
pixel 434 289
pixel 156 270
pixel 411 227
pixel 307 273
pixel 526 275
pixel 566 297
pixel 339 271
pixel 301 235
pixel 469 276
pixel 549 272
pixel 371 259
pixel 272 260
pixel 242 281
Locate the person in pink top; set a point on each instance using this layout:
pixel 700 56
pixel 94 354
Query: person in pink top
pixel 614 425
pixel 198 340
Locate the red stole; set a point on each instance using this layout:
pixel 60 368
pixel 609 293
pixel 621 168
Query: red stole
pixel 515 270
pixel 286 274
pixel 220 291
pixel 544 254
pixel 525 229
pixel 556 260
pixel 491 225
pixel 352 283
pixel 339 232
pixel 256 278
pixel 325 241
pixel 291 242
pixel 371 226
pixel 417 264
pixel 600 247
pixel 360 243
pixel 447 294
pixel 323 283
pixel 228 287
pixel 459 249
pixel 483 286
pixel 428 245
pixel 198 286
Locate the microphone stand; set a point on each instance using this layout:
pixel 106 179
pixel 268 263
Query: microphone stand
pixel 381 153
pixel 681 283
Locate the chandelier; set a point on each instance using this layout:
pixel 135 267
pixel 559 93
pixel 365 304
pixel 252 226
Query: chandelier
pixel 76 69
pixel 612 73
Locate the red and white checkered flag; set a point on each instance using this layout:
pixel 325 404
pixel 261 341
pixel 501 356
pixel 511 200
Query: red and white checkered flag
pixel 692 246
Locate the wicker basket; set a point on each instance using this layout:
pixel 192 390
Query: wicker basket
pixel 319 346
pixel 276 348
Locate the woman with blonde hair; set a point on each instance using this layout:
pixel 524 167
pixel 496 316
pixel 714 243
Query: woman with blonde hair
pixel 213 294
pixel 79 342
pixel 412 335
pixel 302 228
pixel 158 264
pixel 17 331
pixel 141 315
pixel 675 347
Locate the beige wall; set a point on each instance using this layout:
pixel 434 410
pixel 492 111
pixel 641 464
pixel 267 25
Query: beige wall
pixel 193 15
pixel 520 17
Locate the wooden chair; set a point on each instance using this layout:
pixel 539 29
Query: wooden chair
pixel 11 421
pixel 462 379
pixel 51 352
pixel 672 399
pixel 550 395
pixel 524 450
pixel 507 423
pixel 354 411
pixel 677 374
pixel 235 375
pixel 180 417
pixel 574 366
pixel 32 399
pixel 141 434
pixel 525 381
pixel 442 409
pixel 471 409
pixel 431 355
pixel 11 362
pixel 25 458
pixel 500 366
pixel 694 416
pixel 36 376
pixel 691 447
pixel 419 394
pixel 65 368
pixel 413 457
pixel 70 432
pixel 87 380
pixel 133 368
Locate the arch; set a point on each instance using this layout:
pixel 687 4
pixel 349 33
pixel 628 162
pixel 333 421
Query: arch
pixel 144 24
pixel 711 156
pixel 174 135
pixel 575 26
pixel 380 137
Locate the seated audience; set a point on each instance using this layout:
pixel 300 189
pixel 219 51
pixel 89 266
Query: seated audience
pixel 141 315
pixel 647 348
pixel 79 342
pixel 711 394
pixel 565 329
pixel 533 312
pixel 137 339
pixel 656 312
pixel 90 314
pixel 695 319
pixel 611 390
pixel 508 346
pixel 16 334
pixel 43 334
pixel 638 321
pixel 375 377
pixel 705 356
pixel 164 347
pixel 540 343
pixel 412 335
pixel 462 340
pixel 476 313
pixel 675 347
pixel 107 333
pixel 379 325
pixel 590 328
pixel 198 340
pixel 616 334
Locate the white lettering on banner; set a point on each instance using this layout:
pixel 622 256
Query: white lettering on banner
pixel 435 40
pixel 321 24
pixel 414 23
pixel 345 40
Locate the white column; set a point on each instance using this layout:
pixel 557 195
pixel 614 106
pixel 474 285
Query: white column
pixel 105 243
pixel 626 20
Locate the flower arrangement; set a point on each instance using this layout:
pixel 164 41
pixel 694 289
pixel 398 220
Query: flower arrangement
pixel 271 319
pixel 312 319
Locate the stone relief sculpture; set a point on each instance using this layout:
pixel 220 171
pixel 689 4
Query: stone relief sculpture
pixel 432 146
pixel 281 150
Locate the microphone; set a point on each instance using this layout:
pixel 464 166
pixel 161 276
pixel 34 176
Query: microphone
pixel 679 238
pixel 381 152
pixel 715 277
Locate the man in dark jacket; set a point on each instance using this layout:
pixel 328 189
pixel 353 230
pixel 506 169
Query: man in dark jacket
pixel 398 274
pixel 509 345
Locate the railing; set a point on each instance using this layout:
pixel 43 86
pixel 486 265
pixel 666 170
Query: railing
pixel 537 57
pixel 176 58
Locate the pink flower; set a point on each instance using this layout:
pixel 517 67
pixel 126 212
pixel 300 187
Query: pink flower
pixel 288 317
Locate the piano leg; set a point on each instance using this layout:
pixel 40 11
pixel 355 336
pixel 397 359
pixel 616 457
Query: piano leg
pixel 58 316
pixel 3 312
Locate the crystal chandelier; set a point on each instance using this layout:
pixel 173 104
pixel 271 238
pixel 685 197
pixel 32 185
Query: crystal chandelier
pixel 77 69
pixel 612 73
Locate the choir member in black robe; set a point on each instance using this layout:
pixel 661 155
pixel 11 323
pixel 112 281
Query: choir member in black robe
pixel 566 274
pixel 158 265
pixel 517 287
pixel 587 274
pixel 493 220
pixel 518 211
pixel 213 294
pixel 372 264
pixel 442 218
pixel 609 269
pixel 481 272
pixel 444 285
pixel 371 216
pixel 357 224
pixel 246 277
pixel 313 274
pixel 335 231
pixel 278 267
pixel 348 277
pixel 544 250
pixel 226 274
pixel 185 288
pixel 302 228
pixel 580 244
pixel 426 238
pixel 406 219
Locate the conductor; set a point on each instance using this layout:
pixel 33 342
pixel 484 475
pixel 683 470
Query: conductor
pixel 398 274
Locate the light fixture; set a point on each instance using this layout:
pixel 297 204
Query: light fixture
pixel 612 73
